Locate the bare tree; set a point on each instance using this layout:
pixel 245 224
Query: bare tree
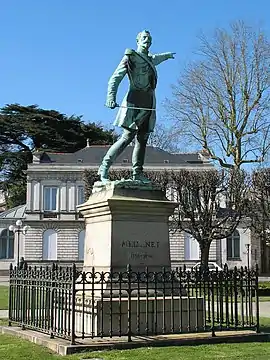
pixel 211 204
pixel 259 210
pixel 165 137
pixel 222 100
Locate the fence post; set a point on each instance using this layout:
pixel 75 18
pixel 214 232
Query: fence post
pixel 24 290
pixel 257 300
pixel 235 290
pixel 210 275
pixel 10 293
pixel 73 304
pixel 129 302
pixel 52 285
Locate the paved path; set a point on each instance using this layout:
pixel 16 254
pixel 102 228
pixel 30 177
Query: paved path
pixel 3 314
pixel 265 309
pixel 4 280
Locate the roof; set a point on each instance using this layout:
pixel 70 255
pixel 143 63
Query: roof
pixel 17 212
pixel 93 155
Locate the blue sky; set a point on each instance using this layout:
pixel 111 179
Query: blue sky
pixel 59 54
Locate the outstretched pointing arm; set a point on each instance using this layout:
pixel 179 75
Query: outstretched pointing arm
pixel 159 58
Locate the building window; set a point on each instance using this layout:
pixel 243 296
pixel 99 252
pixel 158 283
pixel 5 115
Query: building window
pixel 50 198
pixel 81 238
pixel 233 246
pixel 6 244
pixel 49 245
pixel 191 247
pixel 80 195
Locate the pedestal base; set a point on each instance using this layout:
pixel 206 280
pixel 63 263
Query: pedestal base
pixel 127 224
pixel 148 316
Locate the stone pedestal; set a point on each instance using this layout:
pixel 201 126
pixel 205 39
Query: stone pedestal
pixel 147 316
pixel 127 224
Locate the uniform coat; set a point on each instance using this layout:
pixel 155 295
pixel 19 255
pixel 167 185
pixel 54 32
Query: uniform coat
pixel 141 70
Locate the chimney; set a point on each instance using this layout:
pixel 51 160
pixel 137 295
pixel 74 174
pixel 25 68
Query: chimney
pixel 36 157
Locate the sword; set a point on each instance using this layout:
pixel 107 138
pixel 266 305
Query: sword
pixel 134 107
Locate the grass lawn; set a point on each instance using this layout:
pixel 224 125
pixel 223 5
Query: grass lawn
pixel 3 298
pixel 263 298
pixel 13 348
pixel 265 324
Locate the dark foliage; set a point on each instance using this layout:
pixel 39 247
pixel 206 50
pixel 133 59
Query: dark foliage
pixel 24 129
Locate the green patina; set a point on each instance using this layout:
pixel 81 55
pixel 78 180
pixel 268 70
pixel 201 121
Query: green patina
pixel 136 115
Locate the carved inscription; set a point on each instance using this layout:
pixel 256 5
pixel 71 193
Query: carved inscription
pixel 139 256
pixel 140 244
pixel 138 249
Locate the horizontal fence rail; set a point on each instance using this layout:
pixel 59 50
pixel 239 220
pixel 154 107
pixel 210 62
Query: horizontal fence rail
pixel 72 304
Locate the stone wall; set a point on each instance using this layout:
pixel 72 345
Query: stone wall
pixel 177 250
pixel 67 243
pixel 67 239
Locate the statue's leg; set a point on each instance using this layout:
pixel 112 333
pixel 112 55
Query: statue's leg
pixel 114 151
pixel 139 155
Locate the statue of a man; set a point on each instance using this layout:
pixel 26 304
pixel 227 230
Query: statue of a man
pixel 136 115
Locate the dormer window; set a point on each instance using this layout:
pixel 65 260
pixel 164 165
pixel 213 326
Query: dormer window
pixel 80 160
pixel 125 160
pixel 166 161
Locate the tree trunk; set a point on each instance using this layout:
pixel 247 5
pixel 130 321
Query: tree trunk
pixel 205 249
pixel 264 257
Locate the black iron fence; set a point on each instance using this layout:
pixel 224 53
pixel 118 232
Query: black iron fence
pixel 72 304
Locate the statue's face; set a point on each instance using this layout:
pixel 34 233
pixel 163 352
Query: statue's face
pixel 145 40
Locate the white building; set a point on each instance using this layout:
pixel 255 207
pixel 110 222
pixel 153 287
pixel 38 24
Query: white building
pixel 2 202
pixel 55 187
pixel 9 243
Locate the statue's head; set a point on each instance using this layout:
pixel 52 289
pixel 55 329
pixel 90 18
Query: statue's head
pixel 144 39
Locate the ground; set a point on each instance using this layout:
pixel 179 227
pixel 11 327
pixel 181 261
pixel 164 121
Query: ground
pixel 13 348
pixel 3 298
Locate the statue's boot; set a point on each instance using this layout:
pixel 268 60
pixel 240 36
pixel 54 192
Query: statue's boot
pixel 138 158
pixel 114 151
pixel 140 177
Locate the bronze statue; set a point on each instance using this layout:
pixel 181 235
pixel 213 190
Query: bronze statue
pixel 137 114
